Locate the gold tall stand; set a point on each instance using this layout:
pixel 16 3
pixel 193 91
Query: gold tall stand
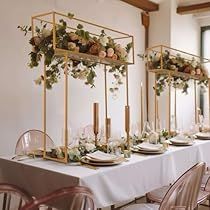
pixel 51 19
pixel 159 50
pixel 127 110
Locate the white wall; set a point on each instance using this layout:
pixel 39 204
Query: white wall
pixel 181 32
pixel 20 107
pixel 185 35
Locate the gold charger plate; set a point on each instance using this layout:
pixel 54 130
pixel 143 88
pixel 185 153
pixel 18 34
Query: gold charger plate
pixel 147 152
pixel 87 161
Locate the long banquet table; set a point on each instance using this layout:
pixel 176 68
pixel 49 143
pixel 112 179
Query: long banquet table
pixel 110 185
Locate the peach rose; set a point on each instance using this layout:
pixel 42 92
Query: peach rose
pixel 102 54
pixel 114 57
pixel 193 72
pixel 94 49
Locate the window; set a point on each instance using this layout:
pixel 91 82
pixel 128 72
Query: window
pixel 205 52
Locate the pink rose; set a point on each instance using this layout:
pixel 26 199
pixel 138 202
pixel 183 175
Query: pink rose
pixel 37 40
pixel 198 71
pixel 110 52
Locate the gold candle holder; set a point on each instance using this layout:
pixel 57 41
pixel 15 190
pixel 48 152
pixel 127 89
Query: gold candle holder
pixel 198 114
pixel 96 121
pixel 142 109
pixel 127 124
pixel 108 128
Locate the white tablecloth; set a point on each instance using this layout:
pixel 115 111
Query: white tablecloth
pixel 110 185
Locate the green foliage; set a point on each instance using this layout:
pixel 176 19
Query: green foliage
pixel 25 29
pixel 79 41
pixel 178 64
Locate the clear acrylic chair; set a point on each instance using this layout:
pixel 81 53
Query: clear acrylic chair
pixel 32 140
pixel 182 195
pixel 157 195
pixel 69 198
pixel 12 197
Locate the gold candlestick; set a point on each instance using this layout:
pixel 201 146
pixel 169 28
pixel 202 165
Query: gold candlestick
pixel 158 118
pixel 127 124
pixel 108 128
pixel 142 109
pixel 96 121
pixel 198 113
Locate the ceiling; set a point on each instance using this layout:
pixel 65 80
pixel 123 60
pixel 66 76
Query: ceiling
pixel 190 2
pixel 184 2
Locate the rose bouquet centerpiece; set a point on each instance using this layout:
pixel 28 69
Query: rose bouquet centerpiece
pixel 177 64
pixel 74 153
pixel 76 41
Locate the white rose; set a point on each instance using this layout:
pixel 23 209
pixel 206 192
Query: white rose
pixel 153 138
pixel 82 75
pixel 71 45
pixel 89 147
pixel 118 47
pixel 46 32
pixel 104 40
pixel 74 151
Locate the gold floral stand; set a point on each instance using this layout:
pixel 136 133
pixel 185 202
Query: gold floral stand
pixel 52 19
pixel 171 63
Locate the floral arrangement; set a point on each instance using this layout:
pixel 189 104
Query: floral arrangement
pixel 75 153
pixel 79 41
pixel 178 64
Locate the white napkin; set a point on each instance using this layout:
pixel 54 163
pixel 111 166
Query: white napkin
pixel 180 139
pixel 203 134
pixel 149 147
pixel 98 155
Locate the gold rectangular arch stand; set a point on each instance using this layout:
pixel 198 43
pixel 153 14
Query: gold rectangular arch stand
pixel 51 18
pixel 159 51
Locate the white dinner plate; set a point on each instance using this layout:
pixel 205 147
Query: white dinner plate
pixel 203 136
pixel 147 151
pixel 181 143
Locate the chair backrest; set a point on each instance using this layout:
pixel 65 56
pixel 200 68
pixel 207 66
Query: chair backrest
pixel 69 198
pixel 13 197
pixel 183 193
pixel 32 140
